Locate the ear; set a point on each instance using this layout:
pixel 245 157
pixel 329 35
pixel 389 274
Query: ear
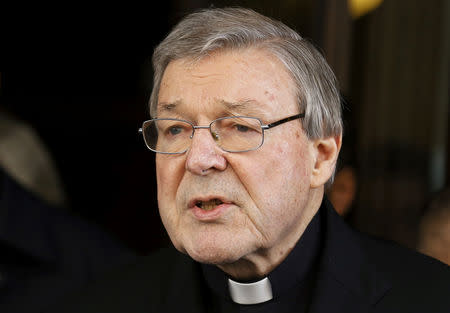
pixel 326 151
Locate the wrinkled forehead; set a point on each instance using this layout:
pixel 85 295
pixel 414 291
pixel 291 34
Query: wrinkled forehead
pixel 219 108
pixel 245 82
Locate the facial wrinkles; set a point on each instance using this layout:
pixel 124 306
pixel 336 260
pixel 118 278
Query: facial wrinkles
pixel 293 179
pixel 213 90
pixel 269 84
pixel 201 92
pixel 260 222
pixel 223 184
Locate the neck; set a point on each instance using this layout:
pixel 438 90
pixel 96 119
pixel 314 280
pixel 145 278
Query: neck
pixel 260 263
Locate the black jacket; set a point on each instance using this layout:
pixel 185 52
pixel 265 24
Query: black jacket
pixel 356 273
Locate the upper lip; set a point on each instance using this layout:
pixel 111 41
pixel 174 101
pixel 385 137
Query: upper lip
pixel 192 203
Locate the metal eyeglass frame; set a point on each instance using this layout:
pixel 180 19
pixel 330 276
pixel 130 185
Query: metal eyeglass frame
pixel 194 127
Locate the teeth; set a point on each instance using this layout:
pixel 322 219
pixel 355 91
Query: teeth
pixel 208 205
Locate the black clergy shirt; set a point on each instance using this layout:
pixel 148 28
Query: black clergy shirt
pixel 291 281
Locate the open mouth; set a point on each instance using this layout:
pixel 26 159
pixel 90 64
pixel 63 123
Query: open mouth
pixel 208 205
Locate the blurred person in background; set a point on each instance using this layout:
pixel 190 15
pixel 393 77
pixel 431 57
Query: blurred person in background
pixel 434 228
pixel 342 192
pixel 46 251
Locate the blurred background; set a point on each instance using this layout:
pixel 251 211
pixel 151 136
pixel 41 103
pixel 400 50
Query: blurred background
pixel 80 76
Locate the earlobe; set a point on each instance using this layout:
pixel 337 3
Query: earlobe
pixel 326 153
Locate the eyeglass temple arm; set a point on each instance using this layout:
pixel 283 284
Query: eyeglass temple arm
pixel 284 120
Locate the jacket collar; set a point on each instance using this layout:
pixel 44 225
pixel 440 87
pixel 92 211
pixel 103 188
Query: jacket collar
pixel 346 280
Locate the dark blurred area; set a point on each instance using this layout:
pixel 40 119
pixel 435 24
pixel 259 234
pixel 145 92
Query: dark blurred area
pixel 80 75
pixel 76 74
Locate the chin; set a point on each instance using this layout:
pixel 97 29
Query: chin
pixel 213 258
pixel 212 244
pixel 213 253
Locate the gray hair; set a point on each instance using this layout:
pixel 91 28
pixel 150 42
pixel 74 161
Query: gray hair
pixel 202 33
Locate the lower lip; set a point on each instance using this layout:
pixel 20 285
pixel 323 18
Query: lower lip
pixel 210 215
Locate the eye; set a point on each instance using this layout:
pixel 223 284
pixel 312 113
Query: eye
pixel 237 125
pixel 242 128
pixel 175 130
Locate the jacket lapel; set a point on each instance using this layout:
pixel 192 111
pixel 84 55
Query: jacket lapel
pixel 346 280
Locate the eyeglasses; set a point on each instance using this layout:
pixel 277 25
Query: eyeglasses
pixel 231 133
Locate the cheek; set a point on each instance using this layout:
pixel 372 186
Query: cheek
pixel 168 179
pixel 289 163
pixel 290 170
pixel 280 175
pixel 168 176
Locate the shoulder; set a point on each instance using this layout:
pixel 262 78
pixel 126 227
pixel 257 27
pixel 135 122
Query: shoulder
pixel 51 251
pixel 389 277
pixel 88 240
pixel 396 264
pixel 80 248
pixel 54 234
pixel 418 282
pixel 400 262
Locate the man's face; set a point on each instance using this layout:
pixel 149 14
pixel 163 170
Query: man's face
pixel 256 200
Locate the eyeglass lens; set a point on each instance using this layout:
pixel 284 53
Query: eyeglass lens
pixel 232 134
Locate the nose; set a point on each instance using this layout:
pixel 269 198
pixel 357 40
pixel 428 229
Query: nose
pixel 204 154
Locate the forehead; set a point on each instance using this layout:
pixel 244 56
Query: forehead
pixel 248 81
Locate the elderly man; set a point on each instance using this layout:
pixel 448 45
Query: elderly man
pixel 246 129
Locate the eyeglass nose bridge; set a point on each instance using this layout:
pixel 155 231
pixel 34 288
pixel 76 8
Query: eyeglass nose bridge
pixel 201 127
pixel 213 134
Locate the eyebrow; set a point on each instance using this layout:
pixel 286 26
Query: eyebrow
pixel 243 107
pixel 248 107
pixel 164 106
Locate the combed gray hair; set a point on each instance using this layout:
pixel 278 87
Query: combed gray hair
pixel 201 33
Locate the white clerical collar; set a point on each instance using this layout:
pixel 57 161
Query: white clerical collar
pixel 251 293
